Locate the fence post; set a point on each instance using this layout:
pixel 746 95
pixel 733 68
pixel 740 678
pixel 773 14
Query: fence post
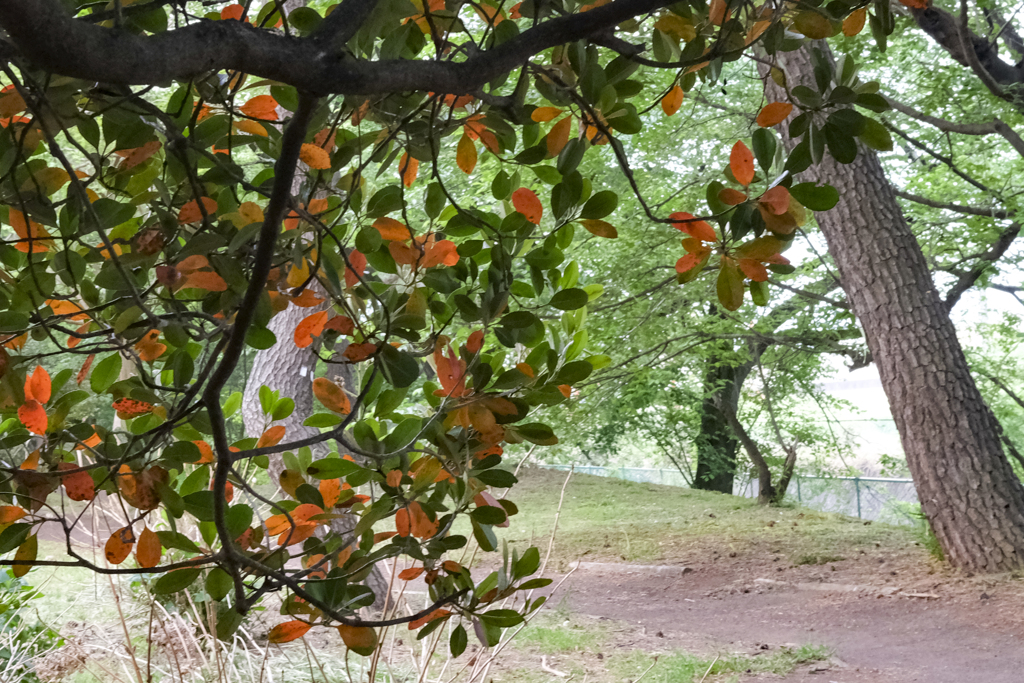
pixel 856 483
pixel 799 497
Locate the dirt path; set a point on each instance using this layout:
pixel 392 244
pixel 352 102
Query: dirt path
pixel 878 634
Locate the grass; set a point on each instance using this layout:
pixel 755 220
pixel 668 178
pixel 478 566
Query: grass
pixel 611 519
pixel 681 667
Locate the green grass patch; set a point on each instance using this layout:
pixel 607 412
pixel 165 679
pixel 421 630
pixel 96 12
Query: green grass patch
pixel 550 635
pixel 603 518
pixel 680 667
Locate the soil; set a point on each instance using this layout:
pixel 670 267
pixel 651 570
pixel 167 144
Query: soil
pixel 893 619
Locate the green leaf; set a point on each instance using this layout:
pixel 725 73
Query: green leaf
pixel 875 135
pixel 458 641
pixel 218 583
pixel 498 478
pixel 600 205
pixel 570 299
pixel 764 144
pixel 814 197
pixel 400 369
pixel 175 581
pixel 538 433
pixel 730 286
pixel 332 468
pixel 105 373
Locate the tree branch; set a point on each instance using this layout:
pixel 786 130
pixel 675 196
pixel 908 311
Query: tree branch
pixel 997 126
pixel 958 208
pixel 995 252
pixel 44 32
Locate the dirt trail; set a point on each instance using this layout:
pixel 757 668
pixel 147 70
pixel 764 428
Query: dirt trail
pixel 971 632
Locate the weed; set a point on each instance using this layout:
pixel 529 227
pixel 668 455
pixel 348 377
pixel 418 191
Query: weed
pixel 681 667
pixel 812 558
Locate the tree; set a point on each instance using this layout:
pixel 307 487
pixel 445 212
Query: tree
pixel 950 436
pixel 151 219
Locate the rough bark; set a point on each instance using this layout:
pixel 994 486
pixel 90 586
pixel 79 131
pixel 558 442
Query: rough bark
pixel 716 443
pixel 951 438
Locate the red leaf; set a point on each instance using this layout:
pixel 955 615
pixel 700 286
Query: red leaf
pixel 773 114
pixel 526 202
pixel 731 197
pixel 357 260
pixel 78 485
pixel 671 102
pixel 436 614
pixel 119 545
pixel 262 107
pixel 475 341
pixel 148 550
pixel 309 327
pixel 33 416
pixel 465 155
pixel 288 631
pixel 332 396
pixel 37 385
pixel 687 223
pixel 776 200
pixel 741 162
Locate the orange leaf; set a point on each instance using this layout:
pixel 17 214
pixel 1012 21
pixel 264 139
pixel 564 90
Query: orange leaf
pixel 408 168
pixel 600 228
pixel 443 253
pixel 37 385
pixel 119 545
pixel 776 200
pixel 330 491
pixel 33 416
pixel 731 197
pixel 671 102
pixel 41 240
pixel 332 396
pixel 309 327
pixel 717 13
pixel 526 202
pixel 307 299
pixel 755 270
pixel 31 462
pixel 693 227
pixel 341 324
pixel 261 107
pixel 545 114
pixel 390 229
pixel 854 24
pixel 10 513
pixel 404 254
pixel 360 639
pixel 78 485
pixel 402 523
pixel 315 157
pixel 148 551
pixel 452 566
pixel 84 371
pixel 916 4
pixel 134 157
pixel 149 348
pixel 475 341
pixel 565 389
pixel 741 163
pixel 773 114
pixel 410 573
pixel 191 213
pixel 250 127
pixel 204 279
pixel 288 631
pixel 26 553
pixel 205 452
pixel 558 137
pixel 235 12
pixel 465 154
pixel 525 368
pixel 433 616
pixel 11 103
pixel 271 437
pixel 357 261
pixel 357 352
pixel 128 408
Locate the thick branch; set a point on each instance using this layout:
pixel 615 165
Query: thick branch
pixel 52 40
pixel 945 30
pixel 958 208
pixel 995 252
pixel 997 125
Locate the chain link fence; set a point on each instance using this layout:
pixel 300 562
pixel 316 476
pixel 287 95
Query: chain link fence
pixel 874 498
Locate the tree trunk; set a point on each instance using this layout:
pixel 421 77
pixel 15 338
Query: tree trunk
pixel 968 490
pixel 288 369
pixel 716 443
